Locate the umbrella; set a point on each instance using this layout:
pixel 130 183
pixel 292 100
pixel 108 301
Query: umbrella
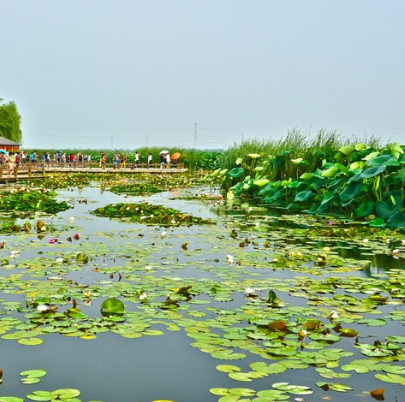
pixel 176 155
pixel 164 152
pixel 3 151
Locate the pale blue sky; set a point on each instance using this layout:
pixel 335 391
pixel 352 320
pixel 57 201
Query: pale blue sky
pixel 126 73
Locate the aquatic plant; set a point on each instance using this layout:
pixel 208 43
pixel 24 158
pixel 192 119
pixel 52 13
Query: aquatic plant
pixel 358 181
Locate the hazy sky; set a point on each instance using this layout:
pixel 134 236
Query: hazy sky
pixel 129 73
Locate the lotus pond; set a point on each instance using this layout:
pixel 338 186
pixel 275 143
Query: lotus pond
pixel 216 301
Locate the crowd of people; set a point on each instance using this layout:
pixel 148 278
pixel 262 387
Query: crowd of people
pixel 11 160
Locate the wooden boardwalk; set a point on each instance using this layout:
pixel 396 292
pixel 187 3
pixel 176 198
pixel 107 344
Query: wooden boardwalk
pixel 29 172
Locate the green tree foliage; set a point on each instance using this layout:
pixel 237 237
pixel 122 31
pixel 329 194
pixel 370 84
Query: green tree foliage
pixel 10 121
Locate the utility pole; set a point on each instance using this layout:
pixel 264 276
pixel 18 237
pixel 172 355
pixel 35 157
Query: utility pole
pixel 195 136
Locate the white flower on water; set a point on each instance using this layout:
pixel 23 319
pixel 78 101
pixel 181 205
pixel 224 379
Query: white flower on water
pixel 163 234
pixel 143 296
pixel 334 315
pixel 72 219
pixel 403 242
pixel 365 240
pixel 249 292
pixel 59 259
pixel 326 249
pixel 42 308
pixel 148 268
pixel 395 251
pixel 229 259
pixel 387 241
pixel 43 228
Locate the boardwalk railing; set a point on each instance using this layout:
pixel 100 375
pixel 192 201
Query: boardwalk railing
pixel 32 170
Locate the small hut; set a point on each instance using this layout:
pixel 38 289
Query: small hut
pixel 9 145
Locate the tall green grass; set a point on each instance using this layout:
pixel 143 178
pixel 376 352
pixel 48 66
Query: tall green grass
pixel 279 152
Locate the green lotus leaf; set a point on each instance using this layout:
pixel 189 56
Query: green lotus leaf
pixel 34 373
pixel 65 393
pixel 10 399
pixel 397 220
pixel 226 368
pixel 112 306
pixel 220 391
pixel 242 391
pixel 235 172
pixel 392 369
pixel 331 172
pixel 372 172
pixel 240 376
pixel 39 398
pixel 350 191
pixel 377 223
pixel 355 367
pixel 360 146
pixel 30 341
pixel 347 150
pixel 261 182
pixel 387 160
pixel 306 176
pixel 334 387
pixel 229 398
pixel 376 322
pixel 391 378
pixel 303 196
pixel 365 209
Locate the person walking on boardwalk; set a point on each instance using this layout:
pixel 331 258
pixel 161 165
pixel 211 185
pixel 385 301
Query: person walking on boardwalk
pixel 137 159
pixel 116 160
pixel 149 160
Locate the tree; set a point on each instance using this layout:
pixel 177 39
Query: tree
pixel 10 121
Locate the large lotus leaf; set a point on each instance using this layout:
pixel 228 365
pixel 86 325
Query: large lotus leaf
pixel 350 191
pixel 371 155
pixel 331 172
pixel 377 223
pixel 261 182
pixel 372 172
pixel 303 195
pixel 395 149
pixel 306 176
pixel 113 306
pixel 235 172
pixel 328 197
pixel 365 209
pixel 361 146
pixel 357 165
pixel 387 160
pixel 384 210
pixel 397 220
pixel 347 150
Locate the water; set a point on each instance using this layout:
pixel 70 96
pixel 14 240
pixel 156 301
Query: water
pixel 111 368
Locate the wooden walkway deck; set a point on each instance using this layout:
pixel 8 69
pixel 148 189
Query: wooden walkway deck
pixel 29 172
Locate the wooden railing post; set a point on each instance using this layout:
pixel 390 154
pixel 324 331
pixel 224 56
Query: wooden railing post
pixel 29 170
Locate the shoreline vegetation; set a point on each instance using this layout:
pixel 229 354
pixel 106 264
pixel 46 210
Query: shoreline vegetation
pixel 326 174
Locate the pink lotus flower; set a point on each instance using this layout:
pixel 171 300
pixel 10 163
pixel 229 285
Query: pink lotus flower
pixel 52 241
pixel 76 236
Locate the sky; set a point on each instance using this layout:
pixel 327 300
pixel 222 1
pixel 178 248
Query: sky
pixel 201 73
